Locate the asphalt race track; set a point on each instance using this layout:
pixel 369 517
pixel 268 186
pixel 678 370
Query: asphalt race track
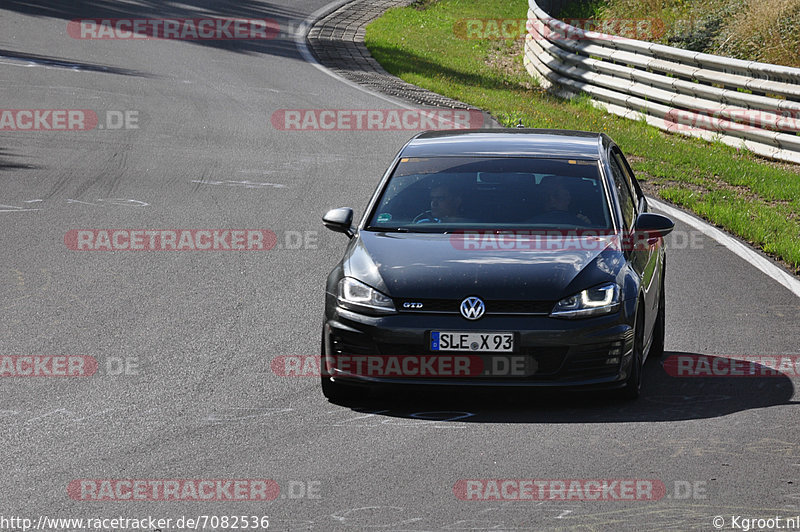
pixel 184 341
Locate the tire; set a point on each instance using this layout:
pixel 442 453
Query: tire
pixel 659 329
pixel 633 384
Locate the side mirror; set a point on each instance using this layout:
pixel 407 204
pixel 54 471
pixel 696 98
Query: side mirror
pixel 339 220
pixel 651 226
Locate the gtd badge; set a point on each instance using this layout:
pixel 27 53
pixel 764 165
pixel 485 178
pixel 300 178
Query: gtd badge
pixel 472 308
pixel 412 306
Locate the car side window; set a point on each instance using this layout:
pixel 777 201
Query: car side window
pixel 626 199
pixel 628 173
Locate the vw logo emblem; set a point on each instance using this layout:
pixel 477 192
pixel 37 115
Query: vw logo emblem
pixel 472 308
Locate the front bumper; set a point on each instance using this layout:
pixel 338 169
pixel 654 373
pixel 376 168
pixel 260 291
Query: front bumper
pixel 582 353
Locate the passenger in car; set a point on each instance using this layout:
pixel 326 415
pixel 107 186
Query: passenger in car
pixel 558 204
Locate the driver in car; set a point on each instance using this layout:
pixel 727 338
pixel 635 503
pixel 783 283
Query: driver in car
pixel 445 206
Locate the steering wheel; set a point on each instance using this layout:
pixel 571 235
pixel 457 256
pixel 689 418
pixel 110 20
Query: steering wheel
pixel 425 217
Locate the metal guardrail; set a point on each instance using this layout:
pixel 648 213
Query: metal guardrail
pixel 740 103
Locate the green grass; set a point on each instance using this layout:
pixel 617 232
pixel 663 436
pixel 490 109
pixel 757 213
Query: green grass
pixel 766 31
pixel 588 9
pixel 748 196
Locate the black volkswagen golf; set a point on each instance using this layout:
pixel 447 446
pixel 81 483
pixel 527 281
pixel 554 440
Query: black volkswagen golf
pixel 498 258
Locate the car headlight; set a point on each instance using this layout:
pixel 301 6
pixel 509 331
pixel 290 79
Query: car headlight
pixel 355 295
pixel 596 301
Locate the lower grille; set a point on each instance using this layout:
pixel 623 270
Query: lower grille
pixel 552 363
pixel 591 361
pixel 549 360
pixel 344 343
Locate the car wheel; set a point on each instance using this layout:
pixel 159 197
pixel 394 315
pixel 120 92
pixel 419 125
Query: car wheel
pixel 659 329
pixel 633 384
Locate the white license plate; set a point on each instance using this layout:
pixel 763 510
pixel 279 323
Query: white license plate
pixel 479 342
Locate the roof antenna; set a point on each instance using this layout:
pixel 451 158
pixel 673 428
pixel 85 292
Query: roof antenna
pixel 520 125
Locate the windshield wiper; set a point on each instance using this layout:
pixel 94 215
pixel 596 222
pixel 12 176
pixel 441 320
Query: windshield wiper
pixel 387 229
pixel 430 230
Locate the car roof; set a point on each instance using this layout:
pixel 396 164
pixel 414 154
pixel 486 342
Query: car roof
pixel 554 143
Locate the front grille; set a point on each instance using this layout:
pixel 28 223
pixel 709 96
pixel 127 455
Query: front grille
pixel 549 360
pixel 453 306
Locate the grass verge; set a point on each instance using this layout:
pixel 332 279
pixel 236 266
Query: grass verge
pixel 755 199
pixel 755 30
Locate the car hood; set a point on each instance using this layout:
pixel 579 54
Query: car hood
pixel 437 266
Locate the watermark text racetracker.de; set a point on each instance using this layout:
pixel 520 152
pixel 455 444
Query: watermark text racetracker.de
pixel 726 119
pixel 47 366
pixel 187 29
pixel 694 365
pixel 645 29
pixel 406 366
pixel 559 240
pixel 192 489
pixel 189 240
pixel 68 120
pixel 173 490
pixel 573 489
pixel 376 119
pixel 34 366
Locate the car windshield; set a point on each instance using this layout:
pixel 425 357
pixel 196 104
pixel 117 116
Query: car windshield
pixel 444 194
